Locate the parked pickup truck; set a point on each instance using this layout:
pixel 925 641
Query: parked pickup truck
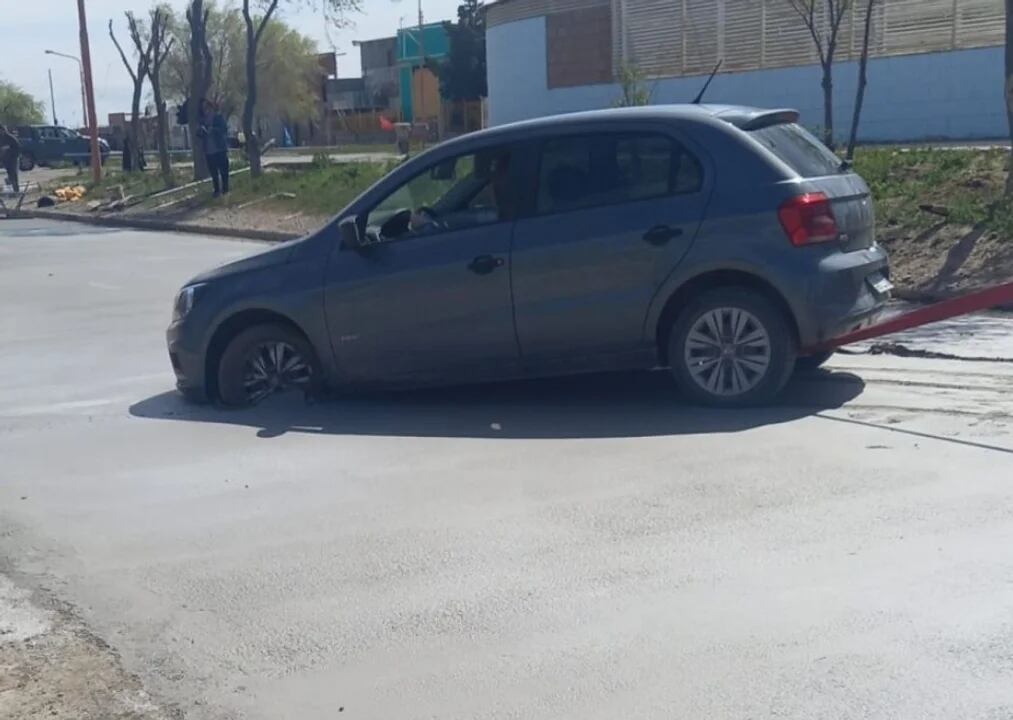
pixel 49 144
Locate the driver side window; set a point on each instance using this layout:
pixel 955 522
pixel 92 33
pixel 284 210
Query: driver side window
pixel 461 192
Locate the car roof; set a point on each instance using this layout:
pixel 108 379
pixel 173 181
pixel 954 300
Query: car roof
pixel 741 116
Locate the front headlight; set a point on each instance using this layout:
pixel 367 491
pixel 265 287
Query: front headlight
pixel 185 301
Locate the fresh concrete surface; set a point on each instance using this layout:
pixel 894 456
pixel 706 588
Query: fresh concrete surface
pixel 581 548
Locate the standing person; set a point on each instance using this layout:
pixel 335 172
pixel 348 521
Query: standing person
pixel 214 132
pixel 10 153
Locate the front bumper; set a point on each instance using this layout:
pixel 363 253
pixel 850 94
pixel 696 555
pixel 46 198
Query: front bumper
pixel 186 364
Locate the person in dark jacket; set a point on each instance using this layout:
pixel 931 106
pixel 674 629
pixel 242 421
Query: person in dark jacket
pixel 214 132
pixel 10 154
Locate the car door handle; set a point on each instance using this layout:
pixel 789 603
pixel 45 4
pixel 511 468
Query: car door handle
pixel 485 264
pixel 661 234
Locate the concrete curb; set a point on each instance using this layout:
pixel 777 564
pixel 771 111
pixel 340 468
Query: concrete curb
pixel 157 225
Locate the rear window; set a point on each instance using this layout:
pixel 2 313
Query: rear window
pixel 798 149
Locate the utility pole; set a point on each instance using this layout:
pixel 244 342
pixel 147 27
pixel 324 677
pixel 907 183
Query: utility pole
pixel 96 160
pixel 52 98
pixel 421 61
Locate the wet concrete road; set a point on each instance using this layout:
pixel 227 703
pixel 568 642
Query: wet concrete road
pixel 581 548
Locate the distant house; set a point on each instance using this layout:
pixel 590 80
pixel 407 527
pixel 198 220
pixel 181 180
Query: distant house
pixel 936 69
pixel 420 88
pixel 380 74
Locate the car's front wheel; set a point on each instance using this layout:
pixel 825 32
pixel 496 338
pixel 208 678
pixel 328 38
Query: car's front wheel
pixel 732 347
pixel 265 360
pixel 26 162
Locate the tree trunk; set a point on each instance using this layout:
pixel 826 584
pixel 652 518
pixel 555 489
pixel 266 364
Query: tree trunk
pixel 828 104
pixel 863 80
pixel 135 124
pixel 162 140
pixel 1009 89
pixel 252 140
pixel 197 17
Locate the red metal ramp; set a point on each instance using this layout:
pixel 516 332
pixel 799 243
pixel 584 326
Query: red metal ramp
pixel 964 305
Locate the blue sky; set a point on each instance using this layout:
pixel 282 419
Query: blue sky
pixel 29 28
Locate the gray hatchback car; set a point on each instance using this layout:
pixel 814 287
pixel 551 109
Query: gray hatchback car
pixel 724 243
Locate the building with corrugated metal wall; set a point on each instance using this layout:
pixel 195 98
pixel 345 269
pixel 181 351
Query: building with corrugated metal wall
pixel 936 68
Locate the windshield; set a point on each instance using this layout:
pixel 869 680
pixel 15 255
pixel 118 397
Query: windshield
pixel 797 148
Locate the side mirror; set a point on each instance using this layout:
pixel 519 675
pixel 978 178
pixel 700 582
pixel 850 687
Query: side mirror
pixel 351 234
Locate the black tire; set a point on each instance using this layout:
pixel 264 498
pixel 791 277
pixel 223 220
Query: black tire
pixel 778 343
pixel 812 363
pixel 27 162
pixel 247 348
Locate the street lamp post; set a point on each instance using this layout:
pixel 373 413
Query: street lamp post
pixel 80 70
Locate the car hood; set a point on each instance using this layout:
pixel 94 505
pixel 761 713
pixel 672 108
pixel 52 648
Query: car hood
pixel 278 255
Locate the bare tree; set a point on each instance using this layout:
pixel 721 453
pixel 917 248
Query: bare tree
pixel 334 14
pixel 1009 88
pixel 200 79
pixel 824 26
pixel 161 47
pixel 863 80
pixel 254 31
pixel 137 74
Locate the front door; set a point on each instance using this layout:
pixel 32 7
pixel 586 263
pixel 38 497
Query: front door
pixel 429 298
pixel 614 214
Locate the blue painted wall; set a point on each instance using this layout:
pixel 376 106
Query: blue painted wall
pixel 956 95
pixel 437 46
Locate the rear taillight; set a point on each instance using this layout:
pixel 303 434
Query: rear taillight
pixel 809 219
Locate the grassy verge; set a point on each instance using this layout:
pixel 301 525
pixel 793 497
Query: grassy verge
pixel 967 184
pixel 319 190
pixel 967 241
pixel 134 183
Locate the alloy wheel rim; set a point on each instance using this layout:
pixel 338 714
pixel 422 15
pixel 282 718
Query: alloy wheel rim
pixel 274 367
pixel 727 351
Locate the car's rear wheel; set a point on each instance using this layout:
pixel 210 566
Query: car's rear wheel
pixel 731 347
pixel 265 360
pixel 27 162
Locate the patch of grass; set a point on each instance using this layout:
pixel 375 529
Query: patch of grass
pixel 134 183
pixel 323 189
pixel 968 183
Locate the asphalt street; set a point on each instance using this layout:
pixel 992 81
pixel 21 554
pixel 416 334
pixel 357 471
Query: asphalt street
pixel 579 548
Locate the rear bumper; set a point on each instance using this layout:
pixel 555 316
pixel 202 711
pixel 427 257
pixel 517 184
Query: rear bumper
pixel 841 297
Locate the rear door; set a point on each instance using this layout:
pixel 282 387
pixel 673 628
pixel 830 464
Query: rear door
pixel 613 214
pixel 824 172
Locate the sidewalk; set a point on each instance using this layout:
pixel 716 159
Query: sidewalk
pixel 52 667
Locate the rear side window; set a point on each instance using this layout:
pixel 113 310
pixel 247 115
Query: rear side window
pixel 591 170
pixel 798 149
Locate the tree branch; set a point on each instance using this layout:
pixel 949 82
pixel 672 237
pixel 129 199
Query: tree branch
pixel 264 20
pixel 123 55
pixel 143 53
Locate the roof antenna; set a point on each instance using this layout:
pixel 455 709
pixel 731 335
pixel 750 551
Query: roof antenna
pixel 699 97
